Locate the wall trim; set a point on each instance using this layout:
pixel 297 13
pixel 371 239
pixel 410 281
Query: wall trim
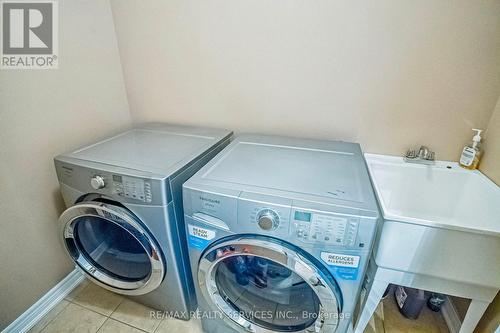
pixel 451 316
pixel 46 303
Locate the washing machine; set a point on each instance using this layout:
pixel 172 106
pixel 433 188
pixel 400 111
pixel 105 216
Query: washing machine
pixel 279 233
pixel 124 225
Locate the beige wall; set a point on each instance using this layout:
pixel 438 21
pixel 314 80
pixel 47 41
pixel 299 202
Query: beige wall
pixel 490 164
pixel 389 74
pixel 44 113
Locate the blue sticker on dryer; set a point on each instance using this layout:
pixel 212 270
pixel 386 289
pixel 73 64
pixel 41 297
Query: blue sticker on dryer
pixel 199 237
pixel 344 266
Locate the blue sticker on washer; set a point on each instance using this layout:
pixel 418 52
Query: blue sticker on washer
pixel 343 266
pixel 199 237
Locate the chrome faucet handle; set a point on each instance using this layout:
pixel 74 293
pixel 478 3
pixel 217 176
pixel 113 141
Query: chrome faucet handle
pixel 430 157
pixel 423 152
pixel 426 154
pixel 411 153
pixel 422 156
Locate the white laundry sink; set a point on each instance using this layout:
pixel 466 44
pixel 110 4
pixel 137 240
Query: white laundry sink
pixel 439 220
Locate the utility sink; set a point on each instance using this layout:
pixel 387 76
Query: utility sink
pixel 439 220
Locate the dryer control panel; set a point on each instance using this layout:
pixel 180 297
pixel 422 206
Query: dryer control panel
pixel 122 187
pixel 317 227
pixel 132 187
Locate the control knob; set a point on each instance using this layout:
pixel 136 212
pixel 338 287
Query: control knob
pixel 97 182
pixel 268 220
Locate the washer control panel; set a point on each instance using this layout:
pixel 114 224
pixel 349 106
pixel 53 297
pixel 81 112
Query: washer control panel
pixel 315 227
pixel 264 218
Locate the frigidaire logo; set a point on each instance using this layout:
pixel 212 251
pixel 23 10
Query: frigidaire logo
pixel 29 34
pixel 215 201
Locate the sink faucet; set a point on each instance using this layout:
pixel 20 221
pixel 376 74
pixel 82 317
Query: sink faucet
pixel 423 156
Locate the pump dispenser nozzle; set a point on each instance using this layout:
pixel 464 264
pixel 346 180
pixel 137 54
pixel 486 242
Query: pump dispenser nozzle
pixel 477 138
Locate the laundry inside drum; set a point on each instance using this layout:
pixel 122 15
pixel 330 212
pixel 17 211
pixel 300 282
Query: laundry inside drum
pixel 267 293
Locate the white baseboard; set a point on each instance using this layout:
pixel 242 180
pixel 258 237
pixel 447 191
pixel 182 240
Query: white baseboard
pixel 48 301
pixel 451 316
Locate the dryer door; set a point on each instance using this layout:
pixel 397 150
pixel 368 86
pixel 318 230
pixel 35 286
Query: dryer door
pixel 262 284
pixel 113 247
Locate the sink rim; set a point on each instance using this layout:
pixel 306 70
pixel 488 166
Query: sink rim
pixel 387 214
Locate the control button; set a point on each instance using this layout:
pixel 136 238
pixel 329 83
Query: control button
pixel 327 238
pixel 268 220
pixel 97 182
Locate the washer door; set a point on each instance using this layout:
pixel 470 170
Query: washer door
pixel 262 284
pixel 111 245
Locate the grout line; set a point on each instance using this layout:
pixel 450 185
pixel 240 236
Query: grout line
pixel 157 327
pixel 109 316
pixel 114 310
pixel 130 325
pixel 120 303
pixel 106 316
pixel 105 320
pixel 83 307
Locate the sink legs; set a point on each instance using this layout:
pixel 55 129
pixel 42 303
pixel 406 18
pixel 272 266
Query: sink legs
pixel 473 315
pixel 375 293
pixel 378 278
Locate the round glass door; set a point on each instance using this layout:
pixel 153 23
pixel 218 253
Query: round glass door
pixel 263 285
pixel 112 247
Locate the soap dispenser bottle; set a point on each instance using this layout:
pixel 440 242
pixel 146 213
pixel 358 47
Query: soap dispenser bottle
pixel 471 154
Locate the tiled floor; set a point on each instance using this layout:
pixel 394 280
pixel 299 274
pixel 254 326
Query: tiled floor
pixel 90 309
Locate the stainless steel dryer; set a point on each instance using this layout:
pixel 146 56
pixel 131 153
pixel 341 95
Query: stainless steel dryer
pixel 124 224
pixel 279 234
